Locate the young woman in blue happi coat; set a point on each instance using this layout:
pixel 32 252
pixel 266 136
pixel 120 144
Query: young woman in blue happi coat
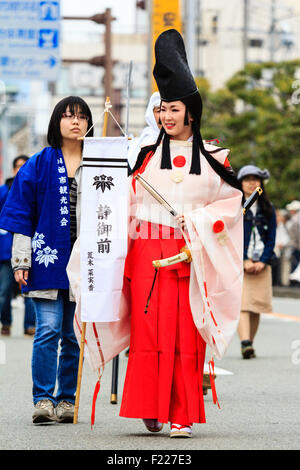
pixel 41 213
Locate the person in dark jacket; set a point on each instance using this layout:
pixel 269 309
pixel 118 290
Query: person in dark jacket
pixel 259 242
pixel 7 281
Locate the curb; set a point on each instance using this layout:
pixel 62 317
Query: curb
pixel 286 291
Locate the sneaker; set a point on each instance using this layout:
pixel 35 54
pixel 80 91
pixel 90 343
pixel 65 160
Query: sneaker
pixel 44 412
pixel 180 430
pixel 153 425
pixel 29 331
pixel 65 412
pixel 5 330
pixel 247 350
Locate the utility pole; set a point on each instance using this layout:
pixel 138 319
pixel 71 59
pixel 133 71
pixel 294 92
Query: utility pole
pixel 198 46
pixel 245 32
pixel 106 60
pixel 190 32
pixel 139 5
pixel 272 30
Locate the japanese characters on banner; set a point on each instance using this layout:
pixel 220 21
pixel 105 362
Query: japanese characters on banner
pixel 103 227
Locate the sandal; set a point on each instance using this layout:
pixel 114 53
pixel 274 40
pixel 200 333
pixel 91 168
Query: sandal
pixel 153 425
pixel 180 430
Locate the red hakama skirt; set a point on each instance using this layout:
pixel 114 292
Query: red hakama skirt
pixel 166 359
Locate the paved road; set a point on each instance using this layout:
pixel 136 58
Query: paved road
pixel 259 400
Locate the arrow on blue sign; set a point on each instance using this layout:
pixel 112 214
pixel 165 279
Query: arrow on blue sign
pixel 52 61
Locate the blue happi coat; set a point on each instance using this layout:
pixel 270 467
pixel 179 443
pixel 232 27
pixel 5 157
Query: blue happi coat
pixel 38 206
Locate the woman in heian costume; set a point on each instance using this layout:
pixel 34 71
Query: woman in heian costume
pixel 39 214
pixel 192 304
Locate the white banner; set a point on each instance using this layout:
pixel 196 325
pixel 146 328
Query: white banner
pixel 103 227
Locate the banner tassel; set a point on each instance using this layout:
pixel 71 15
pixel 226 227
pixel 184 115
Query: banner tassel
pixel 212 382
pixel 96 391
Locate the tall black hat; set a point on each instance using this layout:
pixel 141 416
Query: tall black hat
pixel 171 71
pixel 175 82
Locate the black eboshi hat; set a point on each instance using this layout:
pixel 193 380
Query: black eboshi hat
pixel 175 82
pixel 171 71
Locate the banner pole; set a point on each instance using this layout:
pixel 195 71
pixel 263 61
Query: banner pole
pixel 83 331
pixel 115 363
pixel 106 111
pixel 79 376
pixel 114 381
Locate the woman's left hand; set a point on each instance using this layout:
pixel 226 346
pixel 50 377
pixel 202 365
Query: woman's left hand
pixel 258 267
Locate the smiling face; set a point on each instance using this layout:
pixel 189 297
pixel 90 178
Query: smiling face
pixel 74 125
pixel 172 118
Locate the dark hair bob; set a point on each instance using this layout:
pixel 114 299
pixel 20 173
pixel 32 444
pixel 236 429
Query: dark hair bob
pixel 19 157
pixel 74 103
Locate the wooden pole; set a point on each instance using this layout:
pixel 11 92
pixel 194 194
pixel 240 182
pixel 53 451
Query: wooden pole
pixel 83 331
pixel 108 64
pixel 104 129
pixel 115 364
pixel 79 376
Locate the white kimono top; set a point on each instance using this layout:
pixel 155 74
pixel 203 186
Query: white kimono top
pixel 214 221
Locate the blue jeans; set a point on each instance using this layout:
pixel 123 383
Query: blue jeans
pixel 54 322
pixel 6 290
pixel 29 315
pixel 7 284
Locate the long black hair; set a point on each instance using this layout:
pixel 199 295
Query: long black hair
pixel 193 105
pixel 74 103
pixel 263 201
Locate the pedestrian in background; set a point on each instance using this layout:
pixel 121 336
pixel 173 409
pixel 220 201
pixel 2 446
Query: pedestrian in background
pixel 294 233
pixel 293 209
pixel 280 268
pixel 259 242
pixel 150 132
pixel 39 213
pixel 7 281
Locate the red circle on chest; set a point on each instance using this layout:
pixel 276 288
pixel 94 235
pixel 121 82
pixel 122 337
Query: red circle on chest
pixel 179 161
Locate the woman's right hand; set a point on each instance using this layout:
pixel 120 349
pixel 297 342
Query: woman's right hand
pixel 249 266
pixel 180 220
pixel 21 277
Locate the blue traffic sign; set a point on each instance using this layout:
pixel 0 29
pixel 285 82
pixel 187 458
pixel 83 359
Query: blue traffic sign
pixel 48 38
pixel 49 11
pixel 30 40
